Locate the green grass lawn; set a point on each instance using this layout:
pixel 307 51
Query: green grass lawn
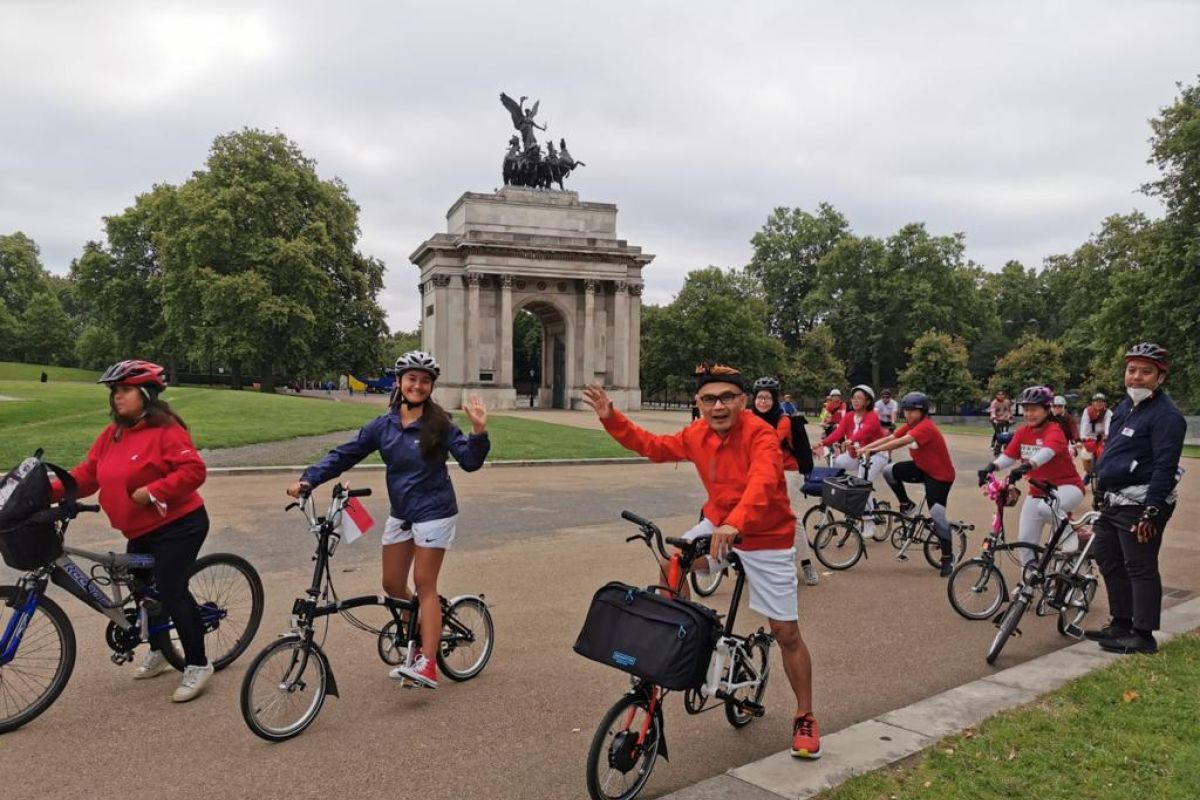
pixel 64 419
pixel 12 371
pixel 1130 730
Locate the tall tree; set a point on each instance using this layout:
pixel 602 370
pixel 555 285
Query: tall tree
pixel 22 275
pixel 937 365
pixel 1033 362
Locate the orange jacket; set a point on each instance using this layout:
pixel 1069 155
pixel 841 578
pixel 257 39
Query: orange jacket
pixel 741 471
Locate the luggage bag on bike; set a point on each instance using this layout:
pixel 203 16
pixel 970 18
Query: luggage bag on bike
pixel 814 481
pixel 846 493
pixel 29 537
pixel 661 640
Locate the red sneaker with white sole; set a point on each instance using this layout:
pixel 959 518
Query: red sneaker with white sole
pixel 423 672
pixel 806 739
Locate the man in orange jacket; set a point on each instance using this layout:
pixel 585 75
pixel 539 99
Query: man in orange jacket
pixel 739 461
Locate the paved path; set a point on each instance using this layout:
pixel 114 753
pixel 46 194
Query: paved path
pixel 537 541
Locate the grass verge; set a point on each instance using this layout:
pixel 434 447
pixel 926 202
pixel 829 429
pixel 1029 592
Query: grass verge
pixel 13 371
pixel 1128 730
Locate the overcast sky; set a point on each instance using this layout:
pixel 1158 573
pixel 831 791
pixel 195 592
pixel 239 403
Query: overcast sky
pixel 1021 125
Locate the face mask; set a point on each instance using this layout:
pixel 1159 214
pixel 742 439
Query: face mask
pixel 1138 395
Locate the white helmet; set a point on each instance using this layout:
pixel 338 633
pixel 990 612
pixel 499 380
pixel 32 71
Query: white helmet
pixel 417 359
pixel 867 390
pixel 835 392
pixel 1059 400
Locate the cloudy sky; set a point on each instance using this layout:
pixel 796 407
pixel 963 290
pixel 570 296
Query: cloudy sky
pixel 1021 124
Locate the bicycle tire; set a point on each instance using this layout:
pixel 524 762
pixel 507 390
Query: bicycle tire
pixel 814 518
pixel 761 657
pixel 1008 624
pixel 705 585
pixel 485 638
pixel 840 538
pixel 257 700
pixel 1077 613
pixel 932 547
pixel 33 639
pixel 897 525
pixel 609 754
pixel 884 521
pixel 222 650
pixel 975 578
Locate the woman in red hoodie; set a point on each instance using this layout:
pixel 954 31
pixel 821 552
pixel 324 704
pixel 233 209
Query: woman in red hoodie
pixel 147 471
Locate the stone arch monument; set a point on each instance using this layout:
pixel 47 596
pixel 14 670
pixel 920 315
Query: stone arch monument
pixel 547 253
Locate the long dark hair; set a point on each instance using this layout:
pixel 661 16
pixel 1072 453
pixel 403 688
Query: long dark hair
pixel 435 426
pixel 155 412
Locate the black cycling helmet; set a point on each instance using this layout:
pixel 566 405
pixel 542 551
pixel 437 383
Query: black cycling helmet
pixel 1036 396
pixel 768 383
pixel 1148 351
pixel 918 400
pixel 417 359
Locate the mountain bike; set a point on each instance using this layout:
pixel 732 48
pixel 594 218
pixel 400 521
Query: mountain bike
pixel 287 683
pixel 37 646
pixel 631 735
pixel 917 529
pixel 1067 582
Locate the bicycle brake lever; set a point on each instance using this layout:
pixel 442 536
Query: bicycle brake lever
pixel 633 538
pixel 291 505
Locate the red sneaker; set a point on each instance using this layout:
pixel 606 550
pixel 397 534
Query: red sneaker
pixel 806 740
pixel 423 672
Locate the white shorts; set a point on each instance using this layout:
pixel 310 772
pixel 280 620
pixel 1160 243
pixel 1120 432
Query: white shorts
pixel 435 533
pixel 770 574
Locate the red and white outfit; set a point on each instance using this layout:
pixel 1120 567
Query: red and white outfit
pixel 1093 430
pixel 1047 449
pixel 858 429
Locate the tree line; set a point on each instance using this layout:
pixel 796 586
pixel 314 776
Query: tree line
pixel 821 306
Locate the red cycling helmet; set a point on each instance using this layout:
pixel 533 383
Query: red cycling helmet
pixel 1148 351
pixel 134 373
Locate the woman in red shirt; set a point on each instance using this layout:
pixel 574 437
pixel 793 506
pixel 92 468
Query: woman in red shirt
pixel 1040 449
pixel 147 470
pixel 768 409
pixel 858 428
pixel 930 466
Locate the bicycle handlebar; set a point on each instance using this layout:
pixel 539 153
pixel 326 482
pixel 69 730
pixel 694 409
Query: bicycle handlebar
pixel 91 508
pixel 635 519
pixel 359 493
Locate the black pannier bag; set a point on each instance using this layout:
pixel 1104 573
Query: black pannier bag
pixel 29 537
pixel 661 640
pixel 846 493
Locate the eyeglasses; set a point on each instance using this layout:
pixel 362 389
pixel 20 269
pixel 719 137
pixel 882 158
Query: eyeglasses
pixel 725 398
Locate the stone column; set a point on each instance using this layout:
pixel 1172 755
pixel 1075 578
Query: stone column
pixel 506 331
pixel 635 338
pixel 472 360
pixel 621 334
pixel 589 331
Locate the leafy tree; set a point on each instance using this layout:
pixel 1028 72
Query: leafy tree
pixel 527 346
pixel 45 332
pixel 21 272
pixel 97 347
pixel 813 367
pixel 10 329
pixel 937 365
pixel 1033 362
pixel 1019 297
pixel 786 253
pixel 394 344
pixel 1175 150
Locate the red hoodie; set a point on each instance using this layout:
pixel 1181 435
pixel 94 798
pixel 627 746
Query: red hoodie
pixel 163 459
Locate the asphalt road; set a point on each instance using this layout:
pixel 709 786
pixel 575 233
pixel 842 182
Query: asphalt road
pixel 537 541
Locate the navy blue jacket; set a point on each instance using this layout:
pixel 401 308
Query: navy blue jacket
pixel 419 490
pixel 1144 445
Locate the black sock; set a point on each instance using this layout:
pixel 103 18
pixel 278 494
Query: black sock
pixel 806 562
pixel 1144 634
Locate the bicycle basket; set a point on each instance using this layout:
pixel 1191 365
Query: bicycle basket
pixel 814 482
pixel 846 493
pixel 28 536
pixel 661 640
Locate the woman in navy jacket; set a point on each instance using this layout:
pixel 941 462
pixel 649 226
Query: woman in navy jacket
pixel 414 439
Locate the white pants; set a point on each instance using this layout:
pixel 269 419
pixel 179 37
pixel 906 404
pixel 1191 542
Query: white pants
pixel 794 483
pixel 875 466
pixel 1036 514
pixel 770 576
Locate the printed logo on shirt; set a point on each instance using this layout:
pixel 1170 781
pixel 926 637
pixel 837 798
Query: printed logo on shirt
pixel 1027 450
pixel 184 452
pixel 1127 431
pixel 133 457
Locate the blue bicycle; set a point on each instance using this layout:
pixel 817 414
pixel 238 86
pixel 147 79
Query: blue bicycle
pixel 37 641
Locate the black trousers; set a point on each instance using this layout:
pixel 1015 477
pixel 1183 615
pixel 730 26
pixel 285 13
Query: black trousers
pixel 175 547
pixel 1130 567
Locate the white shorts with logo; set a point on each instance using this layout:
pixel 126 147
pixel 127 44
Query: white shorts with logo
pixel 770 574
pixel 434 533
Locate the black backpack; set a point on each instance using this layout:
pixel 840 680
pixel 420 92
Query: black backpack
pixel 799 445
pixel 29 537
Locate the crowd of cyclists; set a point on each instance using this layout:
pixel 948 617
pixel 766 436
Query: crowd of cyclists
pixel 748 446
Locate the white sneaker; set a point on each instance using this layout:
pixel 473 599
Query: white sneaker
pixel 810 575
pixel 868 530
pixel 153 665
pixel 193 683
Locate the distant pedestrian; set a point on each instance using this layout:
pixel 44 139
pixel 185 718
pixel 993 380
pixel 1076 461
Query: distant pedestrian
pixel 44 377
pixel 787 406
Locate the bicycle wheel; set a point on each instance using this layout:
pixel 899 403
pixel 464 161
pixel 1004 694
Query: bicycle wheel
pixel 704 585
pixel 617 765
pixel 284 689
pixel 468 636
pixel 42 665
pixel 1078 603
pixel 933 546
pixel 897 525
pixel 838 545
pixel 813 519
pixel 755 666
pixel 884 521
pixel 229 593
pixel 1008 624
pixel 976 589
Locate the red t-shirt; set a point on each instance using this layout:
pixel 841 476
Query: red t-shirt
pixel 1058 471
pixel 928 450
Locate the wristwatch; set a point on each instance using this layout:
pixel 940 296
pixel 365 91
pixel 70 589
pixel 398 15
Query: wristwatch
pixel 1150 512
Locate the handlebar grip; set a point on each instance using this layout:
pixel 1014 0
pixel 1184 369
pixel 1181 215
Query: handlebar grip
pixel 634 518
pixel 92 507
pixel 359 493
pixel 675 541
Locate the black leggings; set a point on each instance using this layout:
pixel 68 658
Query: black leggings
pixel 937 493
pixel 175 547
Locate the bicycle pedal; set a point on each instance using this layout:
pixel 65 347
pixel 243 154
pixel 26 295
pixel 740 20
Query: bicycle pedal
pixel 902 557
pixel 752 708
pixel 121 659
